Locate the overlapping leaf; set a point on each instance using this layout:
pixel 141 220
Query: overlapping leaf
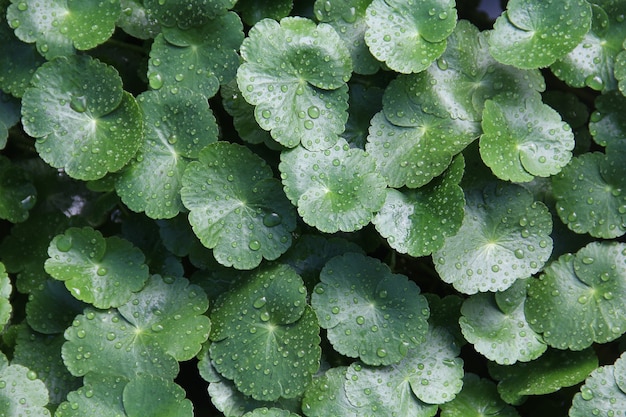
pixel 252 11
pixel 51 308
pixel 97 270
pixel 326 396
pixel 369 312
pixel 9 115
pixel 5 293
pixel 505 235
pixel 478 398
pixel 530 33
pixel 606 124
pixel 149 395
pixel 137 21
pixel 265 337
pixel 577 300
pixel 21 393
pixel 295 73
pixel 236 207
pixel 408 36
pixel 335 189
pixel 603 392
pixel 524 138
pixel 185 13
pixel 100 395
pixel 590 193
pixel 19 61
pixel 83 120
pixel 17 192
pixel 198 58
pixel 417 221
pixel 178 125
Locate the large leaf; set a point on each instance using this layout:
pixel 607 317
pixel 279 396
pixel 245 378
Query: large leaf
pixel 295 73
pixel 409 35
pixel 578 299
pixel 179 123
pixel 505 235
pixel 369 312
pixel 523 138
pixel 97 270
pixel 335 189
pixel 603 392
pixel 21 393
pixel 530 33
pixel 83 120
pixel 478 398
pixel 326 396
pixel 265 337
pixel 236 207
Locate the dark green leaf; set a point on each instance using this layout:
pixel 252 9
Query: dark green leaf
pixel 185 13
pixel 478 398
pixel 51 307
pixel 5 294
pixel 252 11
pixel 17 192
pixel 149 395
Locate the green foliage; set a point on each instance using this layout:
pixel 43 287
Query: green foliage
pixel 392 207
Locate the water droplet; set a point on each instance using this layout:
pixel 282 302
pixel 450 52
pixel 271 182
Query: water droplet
pixel 266 114
pixel 381 353
pixel 259 302
pixel 313 112
pixel 81 334
pixel 155 81
pixel 265 316
pixel 157 327
pixel 102 271
pixel 32 375
pixel 586 393
pixel 308 124
pixel 519 254
pixel 22 6
pixel 254 245
pixel 583 299
pixel 360 320
pixel 272 220
pixel 594 82
pixel 78 104
pixel 64 243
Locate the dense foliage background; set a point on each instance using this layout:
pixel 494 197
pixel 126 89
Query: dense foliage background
pixel 312 208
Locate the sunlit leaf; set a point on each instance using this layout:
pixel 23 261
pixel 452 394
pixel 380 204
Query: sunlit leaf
pixel 326 396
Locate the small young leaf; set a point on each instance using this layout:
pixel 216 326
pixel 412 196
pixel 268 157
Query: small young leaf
pixel 606 124
pixel 552 371
pixel 149 395
pixel 199 58
pixel 236 207
pixel 407 36
pixel 5 294
pixel 335 189
pixel 348 19
pixel 178 126
pixel 417 221
pixel 524 138
pixel 529 34
pixel 326 396
pixel 589 193
pixel 17 192
pixel 501 334
pixel 295 73
pixel 479 397
pixel 97 270
pixel 21 393
pixel 265 337
pixel 603 392
pixel 578 299
pixel 82 119
pixel 505 235
pixel 369 312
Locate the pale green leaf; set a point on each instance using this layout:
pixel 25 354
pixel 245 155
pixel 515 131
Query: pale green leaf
pixel 21 393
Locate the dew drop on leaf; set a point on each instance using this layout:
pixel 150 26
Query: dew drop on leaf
pixel 272 220
pixel 259 302
pixel 78 104
pixel 254 245
pixel 64 243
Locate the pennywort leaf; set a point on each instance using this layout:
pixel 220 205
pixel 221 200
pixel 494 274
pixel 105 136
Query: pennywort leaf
pixel 5 293
pixel 369 312
pixel 529 34
pixel 83 120
pixel 335 189
pixel 17 192
pixel 524 138
pixel 51 307
pixel 19 61
pixel 236 207
pixel 326 396
pixel 187 13
pixel 576 300
pixel 265 337
pixel 100 395
pixel 137 21
pixel 155 396
pixel 478 398
pixel 605 124
pixel 97 270
pixel 179 123
pixel 9 116
pixel 417 221
pixel 294 73
pixel 505 235
pixel 270 412
pixel 21 393
pixel 408 36
pixel 600 394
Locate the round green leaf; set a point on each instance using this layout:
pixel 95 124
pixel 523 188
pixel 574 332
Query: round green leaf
pixel 100 395
pixel 21 393
pixel 42 355
pixel 523 138
pixel 295 73
pixel 17 192
pixel 51 307
pixel 530 33
pixel 149 395
pixel 459 83
pixel 409 36
pixel 269 412
pixel 265 337
pixel 369 313
pixel 606 124
pixel 501 334
pixel 478 398
pixel 413 156
pixel 185 13
pixel 5 294
pixel 417 221
pixel 432 372
pixel 552 371
pixel 83 121
pixel 242 113
pixel 592 61
pixel 57 26
pixel 236 207
pixel 347 17
pixel 178 125
pixel 505 235
pixel 578 299
pixel 252 11
pixel 199 58
pixel 335 189
pixel 590 193
pixel 18 60
pixel 97 270
pixel 326 396
pixel 601 394
pixel 136 21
